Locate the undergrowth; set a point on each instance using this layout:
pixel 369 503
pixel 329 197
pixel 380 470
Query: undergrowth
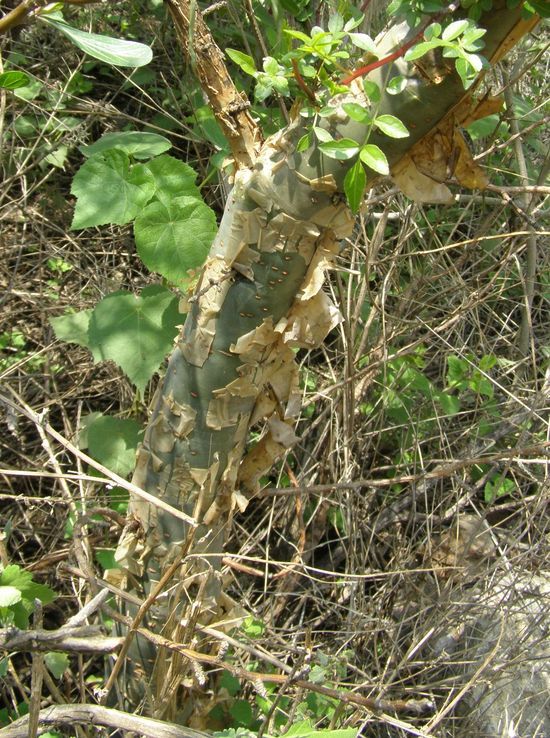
pixel 421 473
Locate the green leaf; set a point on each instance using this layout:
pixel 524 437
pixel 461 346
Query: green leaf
pixel 470 40
pixel 58 157
pixel 457 371
pixel 271 66
pixel 304 143
pixel 172 178
pixel 9 596
pixel 72 327
pixel 335 23
pixel 209 127
pixel 432 31
pixel 25 126
pixel 106 558
pixel 108 190
pixel 391 126
pixel 136 332
pixel 322 134
pixel 296 34
pixel 57 663
pixel 455 29
pixel 317 674
pixel 449 403
pixel 396 84
pixel 14 80
pixel 241 712
pixel 244 61
pixel 263 89
pixel 174 237
pixel 14 576
pixel 30 91
pixel 365 42
pixel 357 112
pixel 85 422
pixel 539 6
pixel 465 72
pixel 342 150
pixel 355 182
pixel 139 144
pixel 253 627
pixel 34 591
pixel 230 683
pixel 476 61
pixel 113 442
pixel 498 488
pixel 487 362
pixel 420 49
pixel 491 125
pixel 374 157
pixel 372 91
pixel 116 51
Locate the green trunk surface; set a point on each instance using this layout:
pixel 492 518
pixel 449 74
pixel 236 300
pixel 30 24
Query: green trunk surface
pixel 258 299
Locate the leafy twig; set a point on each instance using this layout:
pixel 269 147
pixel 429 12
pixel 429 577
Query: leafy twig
pixel 401 51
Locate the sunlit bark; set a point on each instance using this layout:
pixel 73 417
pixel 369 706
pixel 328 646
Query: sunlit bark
pixel 260 297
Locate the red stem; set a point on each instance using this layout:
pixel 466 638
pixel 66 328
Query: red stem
pixel 401 51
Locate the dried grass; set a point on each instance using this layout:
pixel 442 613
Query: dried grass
pixel 356 549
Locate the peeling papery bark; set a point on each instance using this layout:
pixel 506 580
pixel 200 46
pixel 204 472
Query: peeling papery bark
pixel 260 297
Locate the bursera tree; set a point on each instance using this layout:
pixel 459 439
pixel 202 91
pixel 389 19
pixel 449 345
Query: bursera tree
pixel 259 297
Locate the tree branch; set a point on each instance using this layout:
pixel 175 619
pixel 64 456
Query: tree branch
pixel 69 715
pixel 82 639
pixel 230 107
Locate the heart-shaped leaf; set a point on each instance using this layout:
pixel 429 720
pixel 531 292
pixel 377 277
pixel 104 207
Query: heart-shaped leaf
pixel 174 236
pixel 136 332
pixel 109 190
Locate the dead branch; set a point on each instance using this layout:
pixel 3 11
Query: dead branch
pixel 82 639
pixel 69 715
pixel 230 107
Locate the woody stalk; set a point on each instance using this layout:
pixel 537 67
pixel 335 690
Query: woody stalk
pixel 260 297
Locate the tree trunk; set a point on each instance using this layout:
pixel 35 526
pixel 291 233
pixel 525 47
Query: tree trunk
pixel 259 298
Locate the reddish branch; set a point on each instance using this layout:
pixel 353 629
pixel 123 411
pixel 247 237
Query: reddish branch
pixel 401 51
